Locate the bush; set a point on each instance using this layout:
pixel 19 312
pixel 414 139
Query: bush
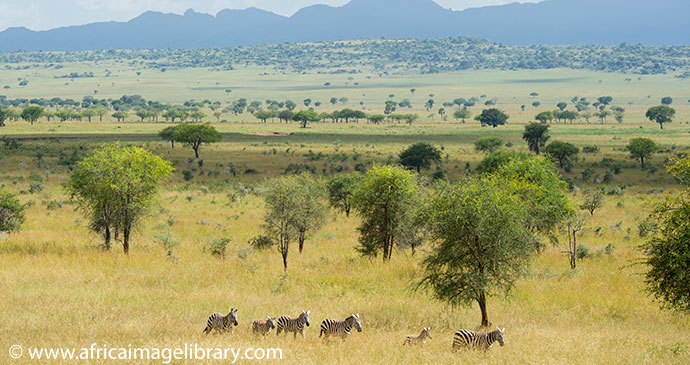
pixel 218 247
pixel 262 242
pixel 188 175
pixel 54 205
pixel 36 187
pixel 646 228
pixel 590 149
pixel 583 252
pixel 609 249
pixel 11 213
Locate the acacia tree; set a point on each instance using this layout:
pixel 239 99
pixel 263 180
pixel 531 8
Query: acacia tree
pixel 481 245
pixel 563 152
pixel 32 113
pixel 462 114
pixel 3 117
pixel 340 191
pixel 419 155
pixel 661 114
pixel 492 117
pixel 195 135
pixel 11 213
pixel 593 201
pixel 488 144
pixel 168 134
pixel 544 117
pixel 306 116
pixel 667 252
pixel 293 209
pixel 386 200
pixel 536 135
pixel 641 148
pixel 115 187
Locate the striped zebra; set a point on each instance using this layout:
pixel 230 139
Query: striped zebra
pixel 417 340
pixel 222 323
pixel 263 327
pixel 331 327
pixel 294 325
pixel 476 340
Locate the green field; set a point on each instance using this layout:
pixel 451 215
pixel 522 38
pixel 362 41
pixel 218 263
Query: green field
pixel 58 289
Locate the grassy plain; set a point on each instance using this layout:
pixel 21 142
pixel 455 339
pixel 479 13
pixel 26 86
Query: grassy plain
pixel 59 289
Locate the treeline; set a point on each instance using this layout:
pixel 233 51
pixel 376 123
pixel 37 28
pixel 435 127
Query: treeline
pixel 387 55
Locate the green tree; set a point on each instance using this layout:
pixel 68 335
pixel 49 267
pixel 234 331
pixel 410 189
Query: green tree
pixel 292 210
pixel 488 144
pixel 168 134
pixel 115 187
pixel 376 118
pixel 11 213
pixel 290 105
pixel 386 200
pixel 593 201
pixel 562 105
pixel 667 252
pixel 535 181
pixel 419 155
pixel 263 115
pixel 3 117
pixel 311 210
pixel 493 117
pixel 341 189
pixel 563 152
pixel 661 114
pixel 89 113
pixel 641 149
pixel 536 135
pixel 120 116
pixel 544 117
pixel 667 100
pixel 195 135
pixel 285 115
pixel 462 114
pixel 101 111
pixel 480 242
pixel 306 116
pixel 32 113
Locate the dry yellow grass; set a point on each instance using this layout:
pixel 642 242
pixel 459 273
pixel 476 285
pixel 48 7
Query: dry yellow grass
pixel 58 289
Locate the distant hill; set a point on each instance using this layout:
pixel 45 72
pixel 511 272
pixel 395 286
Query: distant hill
pixel 659 22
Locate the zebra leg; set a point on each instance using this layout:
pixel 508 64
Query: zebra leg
pixel 301 332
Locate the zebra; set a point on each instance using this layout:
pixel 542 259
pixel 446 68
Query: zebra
pixel 421 339
pixel 222 323
pixel 294 325
pixel 264 327
pixel 340 328
pixel 476 340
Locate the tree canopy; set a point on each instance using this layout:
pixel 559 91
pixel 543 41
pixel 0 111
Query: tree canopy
pixel 536 135
pixel 641 149
pixel 419 155
pixel 661 114
pixel 492 117
pixel 563 152
pixel 11 213
pixel 306 116
pixel 115 186
pixel 32 113
pixel 488 144
pixel 196 135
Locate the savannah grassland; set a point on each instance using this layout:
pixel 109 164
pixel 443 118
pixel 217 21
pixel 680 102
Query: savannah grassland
pixel 58 289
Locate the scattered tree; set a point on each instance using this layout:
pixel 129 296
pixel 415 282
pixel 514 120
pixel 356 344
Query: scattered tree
pixel 11 213
pixel 32 113
pixel 536 135
pixel 493 117
pixel 341 189
pixel 168 134
pixel 563 152
pixel 419 155
pixel 593 201
pixel 488 144
pixel 641 149
pixel 306 116
pixel 195 135
pixel 661 114
pixel 115 187
pixel 544 117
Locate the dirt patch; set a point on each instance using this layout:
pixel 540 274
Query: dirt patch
pixel 268 134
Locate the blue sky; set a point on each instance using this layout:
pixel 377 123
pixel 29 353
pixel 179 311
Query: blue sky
pixel 47 14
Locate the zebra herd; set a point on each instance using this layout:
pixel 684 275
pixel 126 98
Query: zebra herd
pixel 331 327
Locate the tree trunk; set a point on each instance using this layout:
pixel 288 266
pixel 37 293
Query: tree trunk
pixel 107 238
pixel 301 241
pixel 125 242
pixel 642 161
pixel 196 152
pixel 482 307
pixel 284 252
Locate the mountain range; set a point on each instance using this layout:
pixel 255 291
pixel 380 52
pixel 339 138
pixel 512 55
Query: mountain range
pixel 659 22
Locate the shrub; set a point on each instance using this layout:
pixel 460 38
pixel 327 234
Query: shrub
pixel 188 175
pixel 36 187
pixel 583 252
pixel 646 228
pixel 590 149
pixel 11 213
pixel 54 205
pixel 262 242
pixel 218 247
pixel 609 249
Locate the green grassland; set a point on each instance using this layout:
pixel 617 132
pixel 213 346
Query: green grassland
pixel 58 288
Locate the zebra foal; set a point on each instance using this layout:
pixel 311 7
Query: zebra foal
pixel 477 340
pixel 221 323
pixel 417 340
pixel 294 325
pixel 331 327
pixel 263 327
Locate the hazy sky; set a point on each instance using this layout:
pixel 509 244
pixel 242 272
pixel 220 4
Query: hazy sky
pixel 47 14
